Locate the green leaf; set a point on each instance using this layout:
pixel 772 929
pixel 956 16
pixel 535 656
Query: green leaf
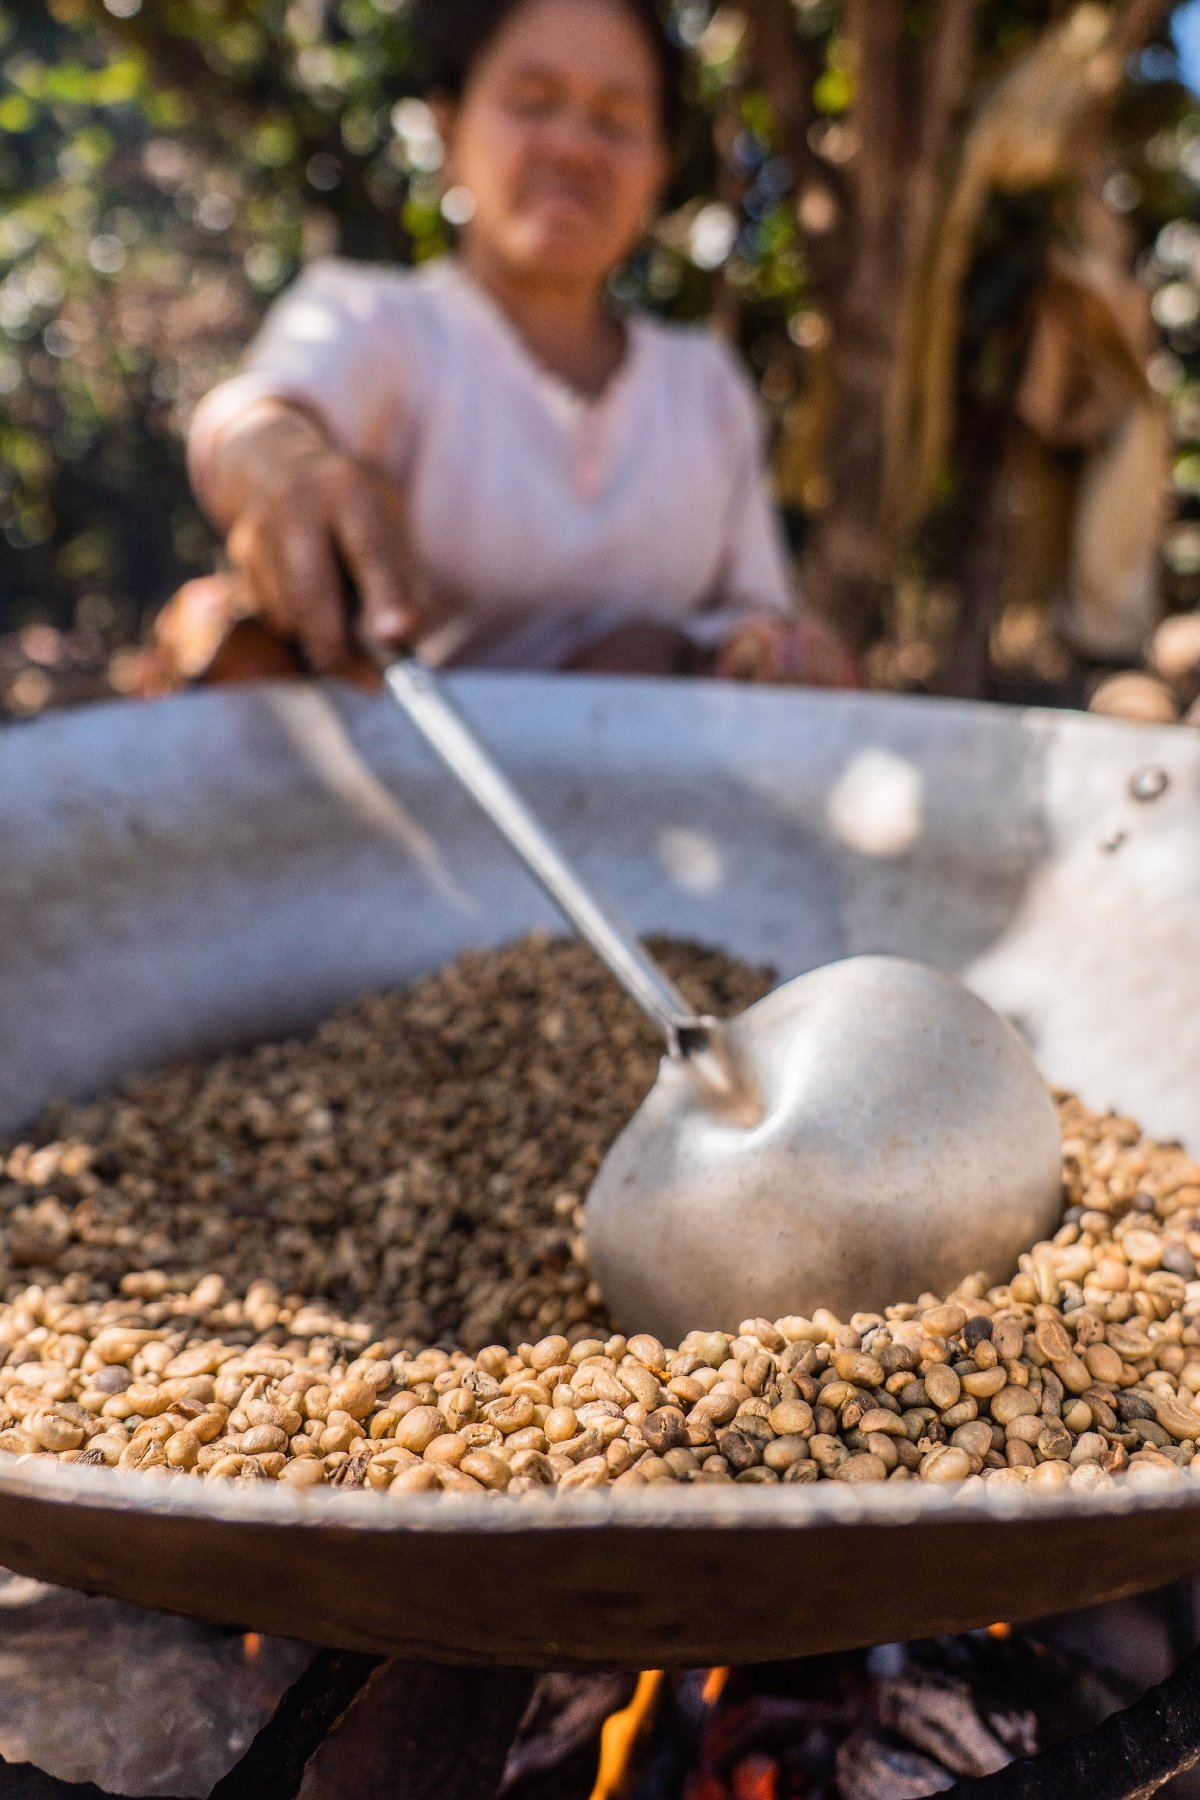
pixel 17 113
pixel 833 91
pixel 274 142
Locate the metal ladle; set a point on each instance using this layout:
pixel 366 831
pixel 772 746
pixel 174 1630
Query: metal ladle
pixel 868 1132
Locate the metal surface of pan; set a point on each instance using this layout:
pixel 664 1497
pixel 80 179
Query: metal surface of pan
pixel 180 877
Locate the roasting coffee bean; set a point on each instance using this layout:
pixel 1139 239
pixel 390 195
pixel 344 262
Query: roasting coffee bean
pixel 356 1261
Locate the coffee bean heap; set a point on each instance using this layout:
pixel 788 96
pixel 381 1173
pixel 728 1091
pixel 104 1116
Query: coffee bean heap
pixel 238 1269
pixel 418 1164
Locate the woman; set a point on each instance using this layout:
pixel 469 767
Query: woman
pixel 495 462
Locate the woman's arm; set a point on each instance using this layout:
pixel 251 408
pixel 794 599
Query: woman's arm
pixel 303 522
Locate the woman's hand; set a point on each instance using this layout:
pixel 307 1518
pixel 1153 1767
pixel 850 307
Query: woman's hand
pixel 804 651
pixel 305 524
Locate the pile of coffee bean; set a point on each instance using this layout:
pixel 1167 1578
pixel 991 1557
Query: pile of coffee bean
pixel 286 1266
pixel 419 1163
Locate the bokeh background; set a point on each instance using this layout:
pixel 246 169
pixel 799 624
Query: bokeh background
pixel 957 242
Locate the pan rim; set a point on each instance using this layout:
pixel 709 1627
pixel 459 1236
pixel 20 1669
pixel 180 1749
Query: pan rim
pixel 825 1504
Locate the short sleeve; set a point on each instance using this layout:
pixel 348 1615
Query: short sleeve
pixel 754 576
pixel 332 344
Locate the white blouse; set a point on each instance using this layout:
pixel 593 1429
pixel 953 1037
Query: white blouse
pixel 544 520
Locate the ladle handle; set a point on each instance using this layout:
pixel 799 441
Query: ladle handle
pixel 423 698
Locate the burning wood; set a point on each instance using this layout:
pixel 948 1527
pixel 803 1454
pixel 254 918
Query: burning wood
pixel 900 1722
pixel 940 1717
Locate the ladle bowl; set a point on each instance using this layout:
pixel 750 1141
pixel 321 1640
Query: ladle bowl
pixel 906 1140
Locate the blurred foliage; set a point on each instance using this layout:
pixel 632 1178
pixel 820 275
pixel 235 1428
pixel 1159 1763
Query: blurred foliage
pixel 166 165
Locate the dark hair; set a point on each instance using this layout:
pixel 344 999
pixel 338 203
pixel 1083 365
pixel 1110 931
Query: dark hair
pixel 450 37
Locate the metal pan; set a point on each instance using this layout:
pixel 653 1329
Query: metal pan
pixel 180 877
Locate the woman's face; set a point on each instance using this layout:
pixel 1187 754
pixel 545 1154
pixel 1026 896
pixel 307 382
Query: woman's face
pixel 559 139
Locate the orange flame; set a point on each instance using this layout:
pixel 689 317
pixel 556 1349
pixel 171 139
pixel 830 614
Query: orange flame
pixel 620 1734
pixel 714 1686
pixel 251 1646
pixel 1000 1630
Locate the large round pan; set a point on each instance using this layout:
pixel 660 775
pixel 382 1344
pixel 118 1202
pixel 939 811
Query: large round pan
pixel 180 877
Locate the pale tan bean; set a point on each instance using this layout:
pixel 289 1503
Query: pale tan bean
pixel 945 1463
pixel 303 1472
pixel 418 1428
pixel 942 1386
pixel 791 1417
pixel 182 1449
pixel 53 1432
pixel 450 1449
pixel 944 1321
pixel 488 1469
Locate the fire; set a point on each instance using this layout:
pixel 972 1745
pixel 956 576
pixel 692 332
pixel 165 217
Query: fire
pixel 251 1646
pixel 1000 1630
pixel 714 1686
pixel 620 1734
pixel 756 1778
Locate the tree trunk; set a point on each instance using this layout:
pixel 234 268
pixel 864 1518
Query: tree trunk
pixel 906 108
pixel 783 71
